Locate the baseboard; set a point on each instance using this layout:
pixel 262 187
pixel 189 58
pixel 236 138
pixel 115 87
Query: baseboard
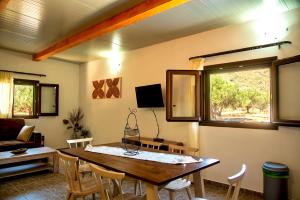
pixel 225 186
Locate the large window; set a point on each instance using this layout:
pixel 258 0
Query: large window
pixel 25 98
pixel 259 93
pixel 238 94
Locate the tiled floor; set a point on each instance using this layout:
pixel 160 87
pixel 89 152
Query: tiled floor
pixel 48 186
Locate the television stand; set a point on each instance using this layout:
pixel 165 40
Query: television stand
pixel 158 139
pixel 165 144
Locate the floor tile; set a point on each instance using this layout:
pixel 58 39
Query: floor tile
pixel 49 186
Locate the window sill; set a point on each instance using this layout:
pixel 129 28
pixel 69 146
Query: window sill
pixel 290 123
pixel 262 125
pixel 25 117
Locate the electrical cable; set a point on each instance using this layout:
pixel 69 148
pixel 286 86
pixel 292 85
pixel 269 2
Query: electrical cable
pixel 156 123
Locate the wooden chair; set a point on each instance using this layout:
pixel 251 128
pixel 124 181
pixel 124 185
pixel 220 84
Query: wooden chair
pixel 235 181
pixel 77 187
pixel 148 144
pixel 82 142
pixel 181 183
pixel 75 143
pixel 113 178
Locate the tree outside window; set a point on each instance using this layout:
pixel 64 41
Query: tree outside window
pixel 240 95
pixel 24 98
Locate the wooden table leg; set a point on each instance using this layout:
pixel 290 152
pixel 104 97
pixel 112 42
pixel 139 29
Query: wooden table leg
pixel 151 192
pixel 55 162
pixel 198 185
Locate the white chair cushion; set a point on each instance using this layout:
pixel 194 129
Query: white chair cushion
pixel 178 184
pixel 84 168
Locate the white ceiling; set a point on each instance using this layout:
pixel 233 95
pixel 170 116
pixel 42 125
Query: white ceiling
pixel 32 25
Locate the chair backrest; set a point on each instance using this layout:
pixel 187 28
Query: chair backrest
pixel 183 150
pixel 79 142
pixel 235 180
pixel 113 177
pixel 150 144
pixel 69 164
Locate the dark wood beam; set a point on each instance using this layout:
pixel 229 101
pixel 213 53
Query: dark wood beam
pixel 3 4
pixel 139 12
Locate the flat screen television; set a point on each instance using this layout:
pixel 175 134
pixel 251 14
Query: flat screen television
pixel 149 96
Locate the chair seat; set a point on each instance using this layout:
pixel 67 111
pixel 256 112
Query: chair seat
pixel 128 196
pixel 178 184
pixel 84 168
pixel 88 186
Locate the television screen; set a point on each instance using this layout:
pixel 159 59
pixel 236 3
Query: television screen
pixel 149 96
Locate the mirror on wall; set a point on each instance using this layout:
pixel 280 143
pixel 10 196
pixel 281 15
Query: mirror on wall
pixel 182 94
pixel 48 99
pixel 287 95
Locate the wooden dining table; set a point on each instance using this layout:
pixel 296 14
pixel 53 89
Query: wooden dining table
pixel 155 175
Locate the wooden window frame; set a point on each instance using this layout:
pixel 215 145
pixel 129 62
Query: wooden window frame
pixel 56 86
pixel 33 83
pixel 275 73
pixel 169 98
pixel 233 66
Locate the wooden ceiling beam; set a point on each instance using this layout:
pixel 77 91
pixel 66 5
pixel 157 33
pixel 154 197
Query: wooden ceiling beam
pixel 139 12
pixel 3 4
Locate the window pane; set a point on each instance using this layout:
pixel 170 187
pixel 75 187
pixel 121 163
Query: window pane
pixel 289 95
pixel 183 95
pixel 23 100
pixel 48 99
pixel 240 96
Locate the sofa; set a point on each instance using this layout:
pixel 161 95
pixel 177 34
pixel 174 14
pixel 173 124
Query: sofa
pixel 9 130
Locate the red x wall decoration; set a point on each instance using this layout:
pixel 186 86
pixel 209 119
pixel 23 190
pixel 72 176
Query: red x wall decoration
pixel 113 88
pixel 99 89
pixel 108 88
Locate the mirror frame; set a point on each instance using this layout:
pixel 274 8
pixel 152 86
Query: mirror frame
pixel 41 85
pixel 276 100
pixel 169 94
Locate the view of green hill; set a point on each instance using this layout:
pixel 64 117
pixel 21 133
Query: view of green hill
pixel 240 95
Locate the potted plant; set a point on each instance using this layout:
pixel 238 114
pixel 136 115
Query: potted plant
pixel 85 133
pixel 74 122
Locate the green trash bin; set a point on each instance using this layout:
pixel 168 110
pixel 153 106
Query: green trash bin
pixel 275 181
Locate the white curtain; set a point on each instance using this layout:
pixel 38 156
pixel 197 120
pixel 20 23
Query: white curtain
pixel 197 63
pixel 194 136
pixel 6 94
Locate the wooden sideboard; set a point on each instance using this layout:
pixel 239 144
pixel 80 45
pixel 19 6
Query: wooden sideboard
pixel 164 146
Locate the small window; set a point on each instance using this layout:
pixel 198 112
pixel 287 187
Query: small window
pixel 181 107
pixel 25 95
pixel 48 99
pixel 286 96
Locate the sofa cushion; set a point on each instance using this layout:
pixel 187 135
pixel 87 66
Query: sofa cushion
pixel 4 133
pixel 15 144
pixel 10 143
pixel 10 128
pixel 25 133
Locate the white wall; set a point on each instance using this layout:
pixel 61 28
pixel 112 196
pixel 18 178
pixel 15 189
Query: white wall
pixel 233 146
pixel 58 72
